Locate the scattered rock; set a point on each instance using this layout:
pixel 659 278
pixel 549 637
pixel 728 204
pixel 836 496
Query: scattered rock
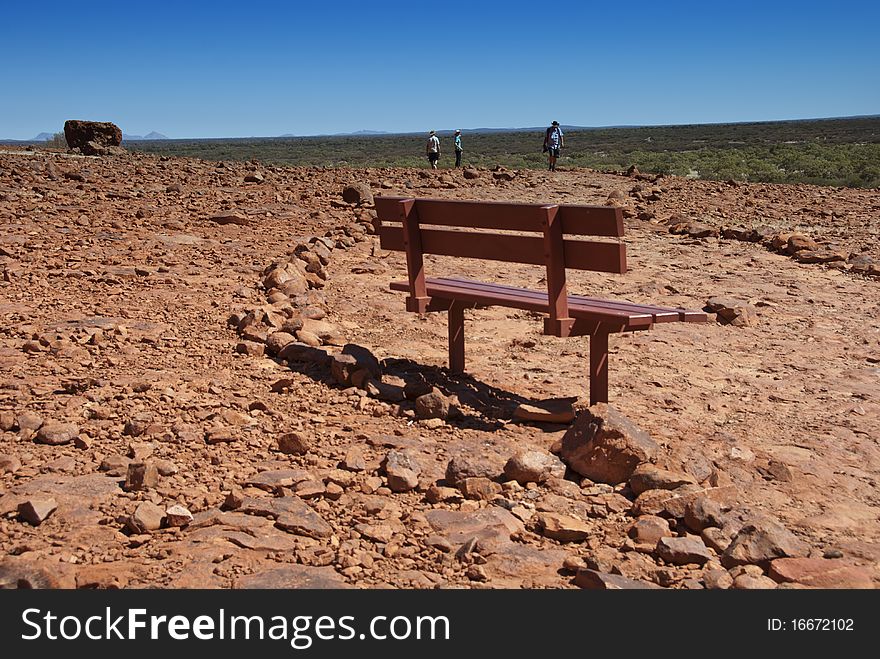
pixel 402 471
pixel 595 580
pixel 760 542
pixel 293 443
pixel 683 551
pixel 820 573
pixel 533 467
pixel 177 515
pixel 563 528
pixel 35 510
pixel 357 193
pixel 434 405
pixel 55 433
pixel 650 477
pixel 605 446
pixel 146 517
pixel 732 312
pixel 141 476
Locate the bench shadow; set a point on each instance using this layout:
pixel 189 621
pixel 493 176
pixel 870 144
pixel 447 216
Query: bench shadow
pixel 494 406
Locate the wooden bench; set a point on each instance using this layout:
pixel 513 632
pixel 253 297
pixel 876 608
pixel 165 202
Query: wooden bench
pixel 419 226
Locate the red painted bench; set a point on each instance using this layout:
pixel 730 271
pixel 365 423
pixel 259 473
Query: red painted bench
pixel 419 226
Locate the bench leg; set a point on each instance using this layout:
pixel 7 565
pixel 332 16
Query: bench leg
pixel 598 367
pixel 456 337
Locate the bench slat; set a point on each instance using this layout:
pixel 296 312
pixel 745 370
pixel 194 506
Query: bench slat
pixel 577 219
pixel 529 301
pixel 579 255
pixel 660 314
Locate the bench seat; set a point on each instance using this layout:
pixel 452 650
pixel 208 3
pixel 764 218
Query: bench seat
pixel 620 316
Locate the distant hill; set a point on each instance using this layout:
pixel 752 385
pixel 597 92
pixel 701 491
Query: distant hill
pixel 149 136
pixel 43 137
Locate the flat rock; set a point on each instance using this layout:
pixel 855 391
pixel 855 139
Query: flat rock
pixel 294 577
pixel 486 524
pixel 595 580
pixel 274 479
pixel 820 573
pixel 553 410
pixel 563 528
pixel 683 551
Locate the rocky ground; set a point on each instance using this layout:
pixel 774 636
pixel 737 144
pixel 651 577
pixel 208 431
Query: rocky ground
pixel 206 382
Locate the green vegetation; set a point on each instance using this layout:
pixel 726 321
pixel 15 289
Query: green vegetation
pixel 839 152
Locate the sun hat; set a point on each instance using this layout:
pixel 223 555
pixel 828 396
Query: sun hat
pixel 431 133
pixel 457 131
pixel 555 123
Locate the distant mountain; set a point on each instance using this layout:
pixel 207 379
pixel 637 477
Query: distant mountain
pixel 43 137
pixel 367 132
pixel 149 136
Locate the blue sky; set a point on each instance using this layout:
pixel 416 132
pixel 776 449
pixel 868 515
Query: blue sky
pixel 261 68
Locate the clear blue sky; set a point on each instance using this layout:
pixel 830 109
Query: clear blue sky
pixel 261 68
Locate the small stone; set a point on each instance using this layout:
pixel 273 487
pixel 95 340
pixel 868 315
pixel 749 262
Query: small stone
pixel 177 515
pixel 29 421
pixel 563 528
pixel 434 405
pixel 55 433
pixel 467 466
pixel 717 579
pixel 533 467
pixel 702 513
pixel 649 530
pixel 141 476
pixel 7 421
pixel 9 464
pixel 166 467
pixel 749 582
pixel 440 494
pixel 479 488
pixel 250 348
pixel 402 471
pixel 293 443
pixel 220 436
pixel 36 510
pixel 278 340
pixel 354 460
pixel 683 551
pixel 146 517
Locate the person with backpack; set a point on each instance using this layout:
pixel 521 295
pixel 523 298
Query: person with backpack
pixel 458 148
pixel 554 141
pixel 433 148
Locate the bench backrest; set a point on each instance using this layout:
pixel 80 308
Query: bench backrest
pixel 411 225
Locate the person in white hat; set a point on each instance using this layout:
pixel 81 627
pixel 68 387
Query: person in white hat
pixel 433 148
pixel 458 148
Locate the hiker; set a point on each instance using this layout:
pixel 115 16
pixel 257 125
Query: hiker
pixel 553 143
pixel 458 148
pixel 433 148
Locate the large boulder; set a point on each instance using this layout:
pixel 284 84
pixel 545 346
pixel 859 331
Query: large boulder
pixel 605 446
pixel 93 138
pixel 357 193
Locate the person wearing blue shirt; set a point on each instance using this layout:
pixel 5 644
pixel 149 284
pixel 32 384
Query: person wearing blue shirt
pixel 554 141
pixel 458 148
